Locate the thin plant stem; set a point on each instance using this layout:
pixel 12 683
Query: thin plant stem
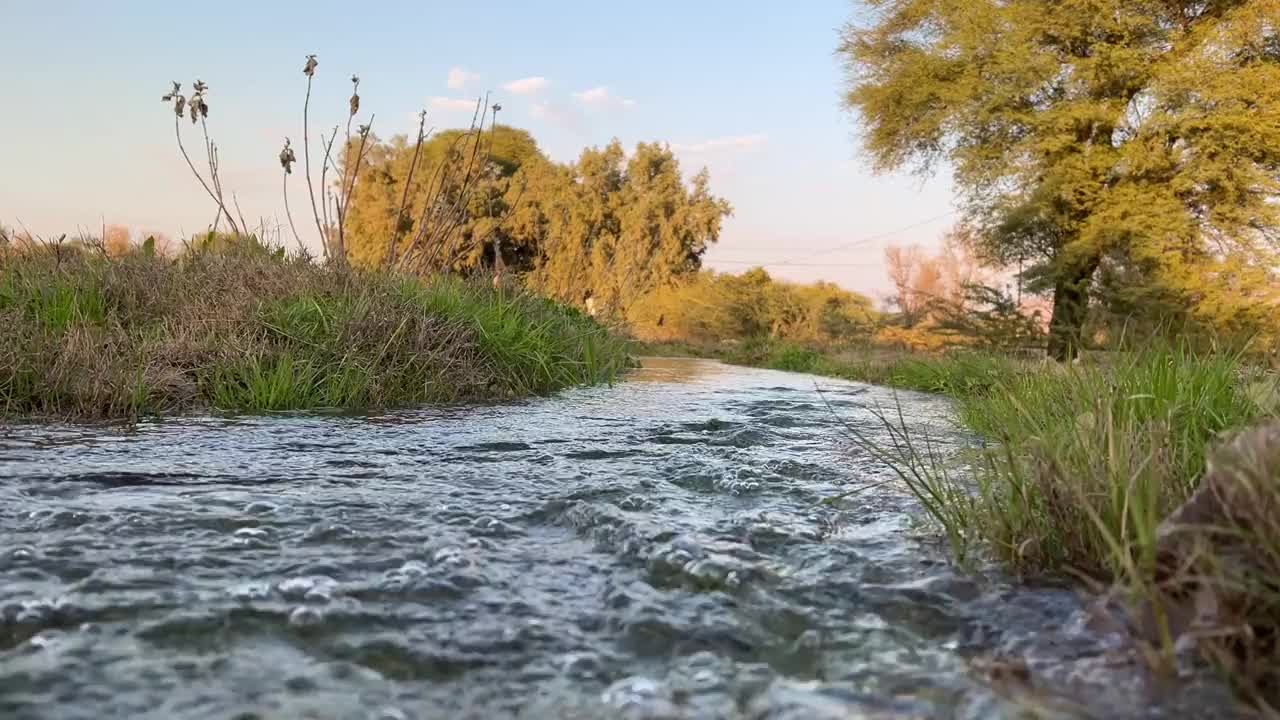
pixel 306 156
pixel 324 183
pixel 350 188
pixel 177 131
pixel 394 240
pixel 287 213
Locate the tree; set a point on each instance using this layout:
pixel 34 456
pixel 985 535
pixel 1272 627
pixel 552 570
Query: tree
pixel 918 281
pixel 901 263
pixel 602 231
pixel 116 240
pixel 445 162
pixel 619 228
pixel 708 309
pixel 1140 132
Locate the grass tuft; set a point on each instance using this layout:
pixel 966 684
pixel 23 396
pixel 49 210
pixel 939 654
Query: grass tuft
pixel 92 337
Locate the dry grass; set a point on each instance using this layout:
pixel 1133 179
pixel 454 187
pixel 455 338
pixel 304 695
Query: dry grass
pixel 87 336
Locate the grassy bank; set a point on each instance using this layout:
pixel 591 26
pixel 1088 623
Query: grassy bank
pixel 1082 467
pixel 87 336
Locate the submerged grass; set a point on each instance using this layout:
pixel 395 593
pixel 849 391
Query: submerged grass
pixel 87 336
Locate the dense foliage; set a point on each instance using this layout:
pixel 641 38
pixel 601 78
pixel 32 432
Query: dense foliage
pixel 1133 141
pixel 600 232
pixel 712 308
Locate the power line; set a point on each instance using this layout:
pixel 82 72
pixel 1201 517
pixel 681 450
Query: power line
pixel 792 262
pixel 881 236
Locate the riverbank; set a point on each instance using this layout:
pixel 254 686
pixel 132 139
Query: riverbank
pixel 1141 475
pixel 1079 469
pixel 94 337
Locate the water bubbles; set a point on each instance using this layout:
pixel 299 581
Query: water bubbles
pixel 794 700
pixel 37 611
pixel 642 698
pixel 409 571
pixel 327 532
pixel 709 565
pixel 21 554
pixel 492 527
pixel 250 591
pixel 45 640
pixel 635 503
pixel 306 616
pixel 451 556
pixel 314 588
pixel 581 665
pixel 253 538
pixel 50 519
pixel 261 507
pixel 870 621
pixel 703 672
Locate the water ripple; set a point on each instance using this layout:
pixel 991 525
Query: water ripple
pixel 657 549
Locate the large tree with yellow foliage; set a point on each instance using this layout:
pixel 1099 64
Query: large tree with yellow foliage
pixel 493 163
pixel 601 232
pixel 1141 134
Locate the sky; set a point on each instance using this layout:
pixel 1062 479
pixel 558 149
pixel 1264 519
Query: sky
pixel 750 90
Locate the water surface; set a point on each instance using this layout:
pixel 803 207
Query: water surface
pixel 657 549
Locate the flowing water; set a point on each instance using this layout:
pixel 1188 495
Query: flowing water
pixel 658 549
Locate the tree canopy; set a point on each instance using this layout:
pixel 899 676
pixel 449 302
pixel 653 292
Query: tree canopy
pixel 710 308
pixel 1137 135
pixel 603 230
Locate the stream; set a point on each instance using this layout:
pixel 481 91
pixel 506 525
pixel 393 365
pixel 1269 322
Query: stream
pixel 655 549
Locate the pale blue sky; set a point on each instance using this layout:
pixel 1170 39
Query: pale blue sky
pixel 749 89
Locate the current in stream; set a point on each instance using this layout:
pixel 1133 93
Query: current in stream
pixel 655 549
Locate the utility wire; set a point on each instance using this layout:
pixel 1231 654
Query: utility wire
pixel 794 264
pixel 793 261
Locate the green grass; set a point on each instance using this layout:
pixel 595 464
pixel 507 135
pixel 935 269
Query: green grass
pixel 1080 465
pixel 92 337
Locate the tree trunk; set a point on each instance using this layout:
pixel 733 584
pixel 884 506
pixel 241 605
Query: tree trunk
pixel 1070 304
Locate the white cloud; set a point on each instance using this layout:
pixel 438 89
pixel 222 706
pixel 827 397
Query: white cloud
pixel 447 104
pixel 459 77
pixel 602 97
pixel 594 96
pixel 563 115
pixel 728 143
pixel 526 86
